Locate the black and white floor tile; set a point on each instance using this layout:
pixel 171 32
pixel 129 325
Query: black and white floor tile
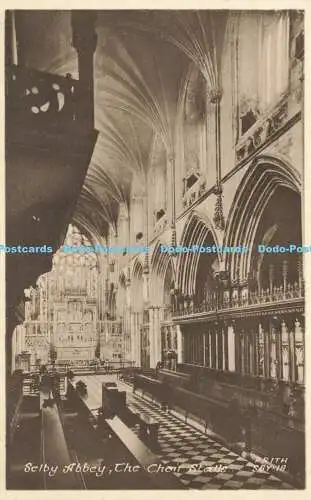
pixel 201 462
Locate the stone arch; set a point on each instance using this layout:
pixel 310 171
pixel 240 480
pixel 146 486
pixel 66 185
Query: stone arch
pixel 265 175
pixel 200 232
pixel 162 264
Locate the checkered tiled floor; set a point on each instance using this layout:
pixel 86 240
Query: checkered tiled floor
pixel 193 451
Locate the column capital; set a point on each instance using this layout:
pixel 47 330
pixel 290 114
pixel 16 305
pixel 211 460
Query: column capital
pixel 215 95
pixel 218 190
pixel 219 219
pixel 171 157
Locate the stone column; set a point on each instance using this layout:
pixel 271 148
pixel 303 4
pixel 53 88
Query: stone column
pixel 132 334
pixel 210 350
pixel 285 351
pixel 14 350
pixel 284 275
pixel 215 98
pixel 267 347
pixel 152 338
pixel 271 277
pixel 146 282
pixel 261 365
pixel 220 355
pixel 172 173
pixel 223 335
pixel 299 351
pixel 157 335
pixel 215 333
pixel 300 273
pixel 231 349
pixel 273 358
pixel 180 346
pixel 136 339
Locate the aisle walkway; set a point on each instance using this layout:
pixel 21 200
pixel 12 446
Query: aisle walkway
pixel 182 445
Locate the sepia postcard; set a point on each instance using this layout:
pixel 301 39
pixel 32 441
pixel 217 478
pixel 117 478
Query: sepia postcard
pixel 155 248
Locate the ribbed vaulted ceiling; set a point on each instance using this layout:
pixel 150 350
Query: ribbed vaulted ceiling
pixel 142 65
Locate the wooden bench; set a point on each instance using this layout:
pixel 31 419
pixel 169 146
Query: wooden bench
pixel 150 372
pixel 149 427
pixel 174 378
pixel 217 415
pixel 134 447
pixel 143 456
pixel 156 389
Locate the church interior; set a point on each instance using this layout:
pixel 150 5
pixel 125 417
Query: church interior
pixel 130 134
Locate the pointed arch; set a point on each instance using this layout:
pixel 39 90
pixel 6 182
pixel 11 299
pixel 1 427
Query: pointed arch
pixel 162 264
pixel 264 176
pixel 198 231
